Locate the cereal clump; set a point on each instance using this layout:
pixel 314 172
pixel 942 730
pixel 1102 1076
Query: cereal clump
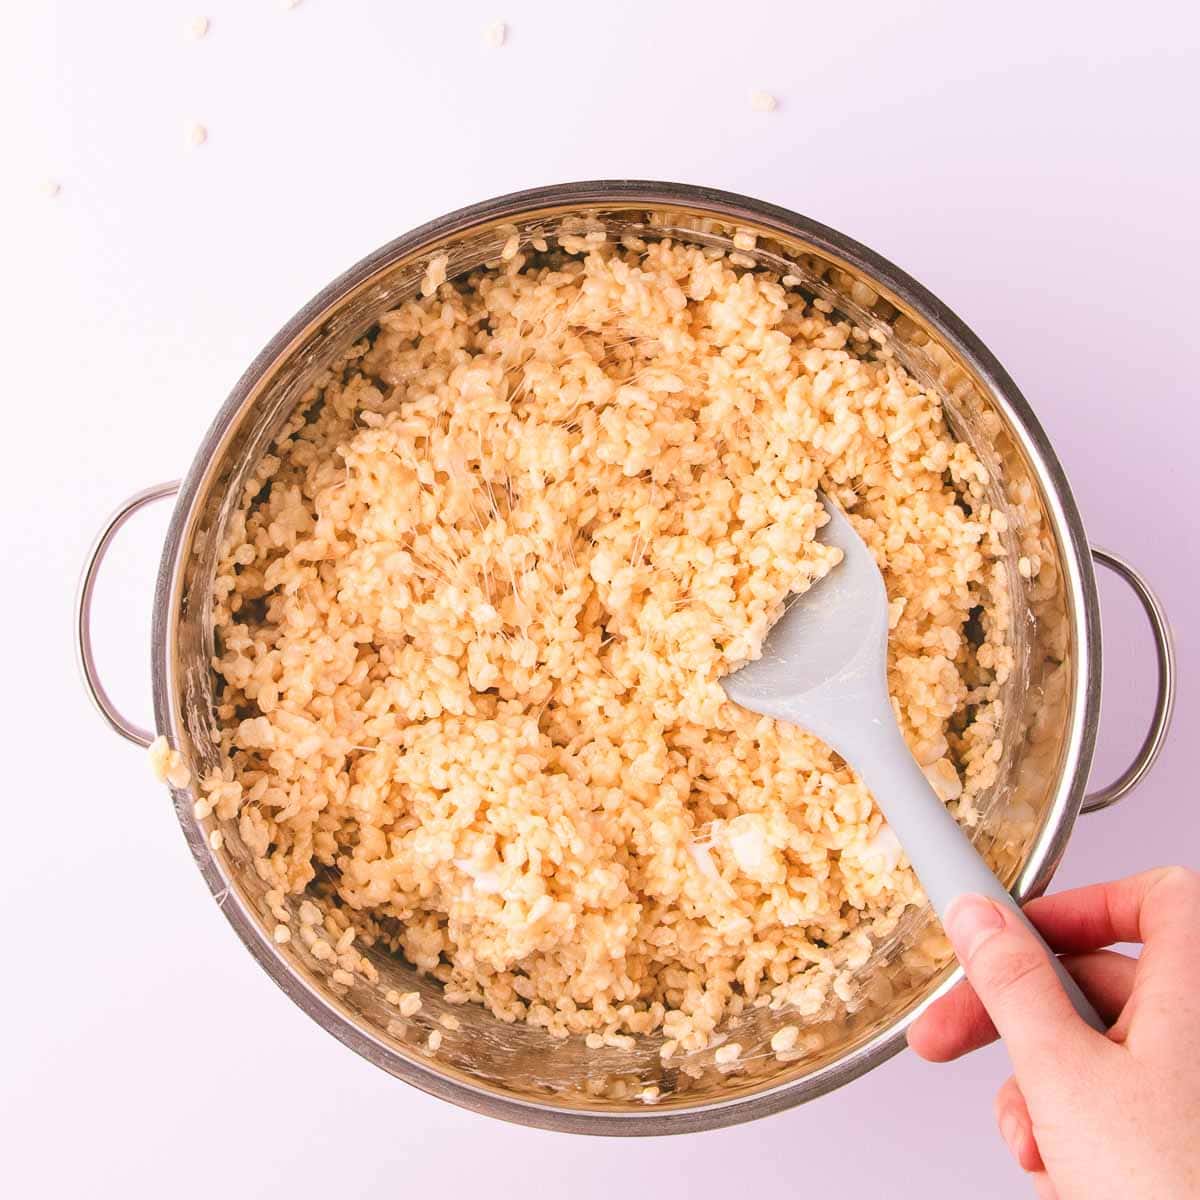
pixel 472 615
pixel 167 764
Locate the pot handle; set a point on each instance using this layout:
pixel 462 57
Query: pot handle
pixel 83 612
pixel 1164 701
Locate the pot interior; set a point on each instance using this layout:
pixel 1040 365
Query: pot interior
pixel 1025 815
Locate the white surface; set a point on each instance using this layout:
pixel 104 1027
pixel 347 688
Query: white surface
pixel 144 1054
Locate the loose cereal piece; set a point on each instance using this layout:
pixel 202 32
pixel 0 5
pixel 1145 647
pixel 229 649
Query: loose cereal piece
pixel 435 275
pixel 168 767
pixel 160 757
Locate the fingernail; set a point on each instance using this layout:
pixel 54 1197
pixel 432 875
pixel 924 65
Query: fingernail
pixel 970 921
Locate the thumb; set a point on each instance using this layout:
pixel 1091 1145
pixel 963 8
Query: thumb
pixel 1012 976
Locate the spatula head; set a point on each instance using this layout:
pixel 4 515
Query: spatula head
pixel 824 662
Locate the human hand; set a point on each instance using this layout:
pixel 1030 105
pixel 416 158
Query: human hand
pixel 1089 1115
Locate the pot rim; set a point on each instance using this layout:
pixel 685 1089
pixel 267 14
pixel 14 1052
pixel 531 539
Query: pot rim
pixel 1061 510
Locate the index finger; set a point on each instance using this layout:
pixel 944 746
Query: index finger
pixel 1159 903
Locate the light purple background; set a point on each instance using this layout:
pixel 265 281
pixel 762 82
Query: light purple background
pixel 1034 164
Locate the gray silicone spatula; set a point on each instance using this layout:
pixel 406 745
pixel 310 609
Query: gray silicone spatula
pixel 824 668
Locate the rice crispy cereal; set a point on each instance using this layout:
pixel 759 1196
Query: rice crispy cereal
pixel 167 764
pixel 472 615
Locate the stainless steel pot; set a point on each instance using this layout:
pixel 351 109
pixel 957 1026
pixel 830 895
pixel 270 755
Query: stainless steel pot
pixel 1052 704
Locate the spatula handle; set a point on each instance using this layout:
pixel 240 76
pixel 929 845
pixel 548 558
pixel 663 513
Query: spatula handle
pixel 946 863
